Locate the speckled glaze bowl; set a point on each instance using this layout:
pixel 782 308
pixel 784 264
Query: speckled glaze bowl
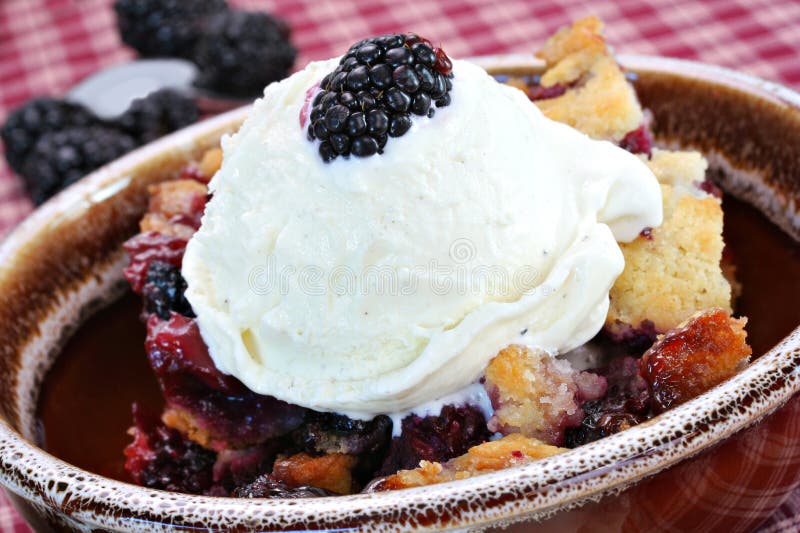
pixel 723 461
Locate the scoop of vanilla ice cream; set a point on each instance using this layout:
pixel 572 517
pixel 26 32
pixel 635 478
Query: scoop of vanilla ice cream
pixel 374 285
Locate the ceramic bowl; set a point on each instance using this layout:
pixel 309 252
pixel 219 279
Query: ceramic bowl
pixel 723 461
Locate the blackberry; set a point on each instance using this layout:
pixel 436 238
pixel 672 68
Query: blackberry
pixel 164 28
pixel 60 158
pixel 625 404
pixel 265 486
pixel 164 289
pixel 161 458
pixel 146 248
pixel 242 52
pixel 379 86
pixel 231 415
pixel 435 438
pixel 335 433
pixel 157 114
pixel 52 143
pixel 638 141
pixel 27 123
pixel 237 468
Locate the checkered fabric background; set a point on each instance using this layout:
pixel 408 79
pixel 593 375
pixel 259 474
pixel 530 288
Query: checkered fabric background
pixel 46 46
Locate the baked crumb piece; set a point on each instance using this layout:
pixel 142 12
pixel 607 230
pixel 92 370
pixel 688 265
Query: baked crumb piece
pixel 183 421
pixel 682 169
pixel 160 224
pixel 331 472
pixel 536 394
pixel 176 198
pixel 511 450
pixel 518 83
pixel 599 100
pixel 175 208
pixel 211 162
pixel 701 353
pixel 673 270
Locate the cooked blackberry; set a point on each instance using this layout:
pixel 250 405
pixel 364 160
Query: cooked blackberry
pixel 161 458
pixel 157 114
pixel 265 486
pixel 625 404
pixel 239 467
pixel 638 141
pixel 379 85
pixel 60 158
pixel 164 28
pixel 164 291
pixel 146 248
pixel 435 438
pixel 216 408
pixel 335 433
pixel 27 123
pixel 242 52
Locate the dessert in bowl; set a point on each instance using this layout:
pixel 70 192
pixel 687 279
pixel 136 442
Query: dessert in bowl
pixel 466 383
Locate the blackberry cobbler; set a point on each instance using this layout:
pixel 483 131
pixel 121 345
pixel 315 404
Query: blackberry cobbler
pixel 288 393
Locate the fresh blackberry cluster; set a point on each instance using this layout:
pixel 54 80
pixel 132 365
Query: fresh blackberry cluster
pixel 242 52
pixel 238 52
pixel 60 158
pixel 164 28
pixel 379 85
pixel 52 143
pixel 26 124
pixel 157 114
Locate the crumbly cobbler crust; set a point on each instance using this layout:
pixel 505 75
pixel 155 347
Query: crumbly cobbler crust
pixel 172 203
pixel 511 450
pixel 535 394
pixel 699 354
pixel 675 270
pixel 602 103
pixel 331 472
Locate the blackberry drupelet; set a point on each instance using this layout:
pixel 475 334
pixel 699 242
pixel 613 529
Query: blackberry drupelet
pixel 379 85
pixel 157 114
pixel 60 158
pixel 242 52
pixel 164 291
pixel 27 123
pixel 164 28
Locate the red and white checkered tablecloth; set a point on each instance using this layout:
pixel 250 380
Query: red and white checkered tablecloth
pixel 46 46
